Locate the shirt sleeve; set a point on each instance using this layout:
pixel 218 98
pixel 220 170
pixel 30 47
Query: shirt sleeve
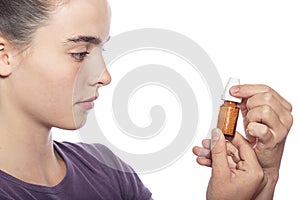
pixel 134 188
pixel 130 185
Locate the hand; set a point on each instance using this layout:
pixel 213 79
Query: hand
pixel 267 121
pixel 242 182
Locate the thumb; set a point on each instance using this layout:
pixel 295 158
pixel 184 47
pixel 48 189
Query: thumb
pixel 220 167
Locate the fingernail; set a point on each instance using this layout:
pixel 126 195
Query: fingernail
pixel 247 131
pixel 215 136
pixel 234 89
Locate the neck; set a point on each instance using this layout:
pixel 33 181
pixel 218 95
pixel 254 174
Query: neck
pixel 26 150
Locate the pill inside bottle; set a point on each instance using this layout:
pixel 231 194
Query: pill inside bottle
pixel 229 110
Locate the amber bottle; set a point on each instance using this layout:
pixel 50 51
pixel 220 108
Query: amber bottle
pixel 229 111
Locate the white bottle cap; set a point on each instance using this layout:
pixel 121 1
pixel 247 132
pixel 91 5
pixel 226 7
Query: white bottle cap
pixel 226 95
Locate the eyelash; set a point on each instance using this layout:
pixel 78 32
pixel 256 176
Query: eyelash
pixel 79 57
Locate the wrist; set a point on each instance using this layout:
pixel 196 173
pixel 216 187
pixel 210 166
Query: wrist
pixel 268 187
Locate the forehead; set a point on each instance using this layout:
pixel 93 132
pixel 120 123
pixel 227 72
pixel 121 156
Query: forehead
pixel 81 17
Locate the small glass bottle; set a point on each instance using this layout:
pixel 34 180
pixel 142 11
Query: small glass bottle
pixel 229 111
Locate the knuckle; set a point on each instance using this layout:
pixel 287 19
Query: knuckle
pixel 249 104
pixel 231 150
pixel 266 111
pixel 288 122
pixel 291 120
pixel 285 132
pixel 268 97
pixel 247 118
pixel 289 107
pixel 252 115
pixel 267 88
pixel 234 151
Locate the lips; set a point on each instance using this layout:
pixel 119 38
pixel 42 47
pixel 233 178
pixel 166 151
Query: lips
pixel 87 104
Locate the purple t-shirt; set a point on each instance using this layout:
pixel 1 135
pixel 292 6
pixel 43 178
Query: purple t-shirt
pixel 93 173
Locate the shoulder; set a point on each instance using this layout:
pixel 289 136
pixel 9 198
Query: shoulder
pixel 94 154
pixel 102 161
pixel 82 148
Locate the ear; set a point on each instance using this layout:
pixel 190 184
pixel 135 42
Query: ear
pixel 5 67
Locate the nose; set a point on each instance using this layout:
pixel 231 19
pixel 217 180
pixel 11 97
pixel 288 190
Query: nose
pixel 105 78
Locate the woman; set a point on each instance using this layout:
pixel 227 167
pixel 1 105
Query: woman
pixel 51 68
pixel 43 49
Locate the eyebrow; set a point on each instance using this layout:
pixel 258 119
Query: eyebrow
pixel 86 39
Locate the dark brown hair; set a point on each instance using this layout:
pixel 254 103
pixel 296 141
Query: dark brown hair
pixel 19 19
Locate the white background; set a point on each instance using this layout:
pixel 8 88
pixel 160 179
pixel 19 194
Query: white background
pixel 257 41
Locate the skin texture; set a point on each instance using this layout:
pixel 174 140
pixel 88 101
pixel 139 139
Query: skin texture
pixel 226 182
pixel 39 88
pixel 267 120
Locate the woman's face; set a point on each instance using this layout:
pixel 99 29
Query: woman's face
pixel 56 81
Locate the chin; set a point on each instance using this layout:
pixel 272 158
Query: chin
pixel 79 122
pixel 74 120
pixel 72 124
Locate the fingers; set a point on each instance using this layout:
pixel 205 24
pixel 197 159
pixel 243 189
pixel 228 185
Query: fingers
pixel 246 153
pixel 204 161
pixel 201 152
pixel 264 115
pixel 206 143
pixel 270 99
pixel 261 95
pixel 247 91
pixel 220 165
pixel 264 123
pixel 232 152
pixel 265 112
pixel 204 153
pixel 260 131
pixel 269 104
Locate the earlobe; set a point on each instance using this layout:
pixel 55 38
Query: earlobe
pixel 5 68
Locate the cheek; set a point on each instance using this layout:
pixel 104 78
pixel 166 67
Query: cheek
pixel 53 85
pixel 47 90
pixel 58 91
pixel 59 107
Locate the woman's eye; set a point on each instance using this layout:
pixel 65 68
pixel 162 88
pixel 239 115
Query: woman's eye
pixel 79 57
